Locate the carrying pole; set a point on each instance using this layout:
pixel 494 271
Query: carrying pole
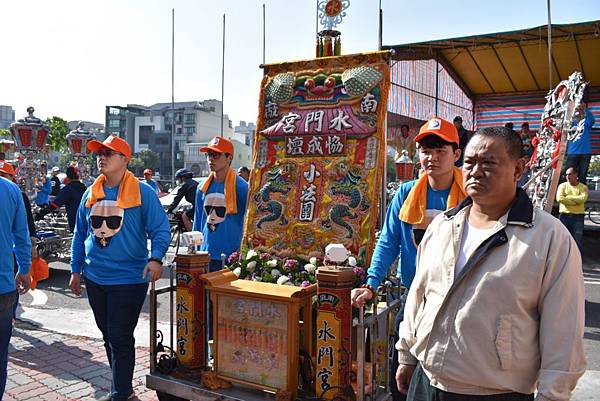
pixel 173 98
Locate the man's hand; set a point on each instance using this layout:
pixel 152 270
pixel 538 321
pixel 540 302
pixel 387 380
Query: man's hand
pixel 155 270
pixel 359 296
pixel 403 376
pixel 23 283
pixel 75 283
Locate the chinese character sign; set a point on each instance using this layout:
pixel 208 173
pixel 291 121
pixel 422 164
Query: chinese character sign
pixel 189 309
pixel 320 148
pixel 252 340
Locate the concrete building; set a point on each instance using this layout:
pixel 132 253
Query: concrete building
pixel 246 131
pixel 96 128
pixel 149 127
pixel 196 161
pixel 7 116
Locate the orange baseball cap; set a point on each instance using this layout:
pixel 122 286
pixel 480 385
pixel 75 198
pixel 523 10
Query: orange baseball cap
pixel 7 168
pixel 440 127
pixel 113 142
pixel 218 144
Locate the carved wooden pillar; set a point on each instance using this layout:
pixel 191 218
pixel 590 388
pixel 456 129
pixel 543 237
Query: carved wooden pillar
pixel 334 327
pixel 191 309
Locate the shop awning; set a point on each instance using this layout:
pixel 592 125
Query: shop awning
pixel 513 62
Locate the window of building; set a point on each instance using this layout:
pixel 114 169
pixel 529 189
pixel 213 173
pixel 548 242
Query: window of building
pixel 162 141
pixel 190 130
pixel 145 132
pixel 189 119
pixel 114 123
pixel 114 111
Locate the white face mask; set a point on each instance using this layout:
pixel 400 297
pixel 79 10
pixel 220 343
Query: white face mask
pixel 179 181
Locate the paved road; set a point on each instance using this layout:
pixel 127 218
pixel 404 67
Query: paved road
pixel 53 307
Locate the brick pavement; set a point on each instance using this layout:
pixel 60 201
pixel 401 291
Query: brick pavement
pixel 46 366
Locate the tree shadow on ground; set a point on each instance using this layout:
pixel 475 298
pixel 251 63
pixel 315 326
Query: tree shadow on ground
pixel 69 363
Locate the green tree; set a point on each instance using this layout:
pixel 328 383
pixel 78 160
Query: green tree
pixel 594 169
pixel 144 159
pixel 57 137
pixel 5 133
pixel 149 159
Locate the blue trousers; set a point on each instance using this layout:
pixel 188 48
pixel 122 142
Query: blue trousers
pixel 7 302
pixel 116 310
pixel 213 266
pixel 581 163
pixel 574 223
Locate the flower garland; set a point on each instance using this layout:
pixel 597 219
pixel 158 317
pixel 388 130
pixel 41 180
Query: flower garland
pixel 252 265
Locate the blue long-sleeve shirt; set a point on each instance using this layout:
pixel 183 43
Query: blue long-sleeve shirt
pixel 583 146
pixel 152 184
pixel 110 244
pixel 44 193
pixel 397 238
pixel 14 235
pixel 222 233
pixel 70 196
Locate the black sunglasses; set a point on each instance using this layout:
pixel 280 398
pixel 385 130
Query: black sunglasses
pixel 106 152
pixel 112 222
pixel 219 210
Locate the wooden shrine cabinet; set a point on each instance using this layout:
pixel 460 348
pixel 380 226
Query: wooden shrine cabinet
pixel 259 329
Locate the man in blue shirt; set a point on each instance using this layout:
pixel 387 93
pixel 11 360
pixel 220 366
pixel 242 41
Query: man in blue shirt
pixel 579 152
pixel 411 210
pixel 148 177
pixel 44 187
pixel 220 203
pixel 117 216
pixel 14 237
pixel 69 196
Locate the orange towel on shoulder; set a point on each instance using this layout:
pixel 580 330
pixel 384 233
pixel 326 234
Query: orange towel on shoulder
pixel 230 191
pixel 129 194
pixel 413 208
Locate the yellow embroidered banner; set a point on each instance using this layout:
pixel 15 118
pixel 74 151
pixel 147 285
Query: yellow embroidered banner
pixel 318 155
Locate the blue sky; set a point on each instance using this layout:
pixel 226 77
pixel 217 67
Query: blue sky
pixel 72 57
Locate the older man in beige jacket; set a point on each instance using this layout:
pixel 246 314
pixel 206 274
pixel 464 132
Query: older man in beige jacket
pixel 496 310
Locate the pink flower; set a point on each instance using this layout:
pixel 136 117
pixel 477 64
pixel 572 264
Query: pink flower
pixel 305 283
pixel 234 257
pixel 359 272
pixel 290 264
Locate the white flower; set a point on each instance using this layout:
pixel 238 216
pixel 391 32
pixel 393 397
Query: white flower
pixel 282 280
pixel 251 253
pixel 237 271
pixel 257 278
pixel 251 265
pixel 313 261
pixel 352 261
pixel 275 273
pixel 272 263
pixel 309 267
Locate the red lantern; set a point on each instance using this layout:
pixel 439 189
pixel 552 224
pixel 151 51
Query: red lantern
pixel 78 139
pixel 404 168
pixel 30 133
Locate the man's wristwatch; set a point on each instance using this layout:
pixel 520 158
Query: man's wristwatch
pixel 157 260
